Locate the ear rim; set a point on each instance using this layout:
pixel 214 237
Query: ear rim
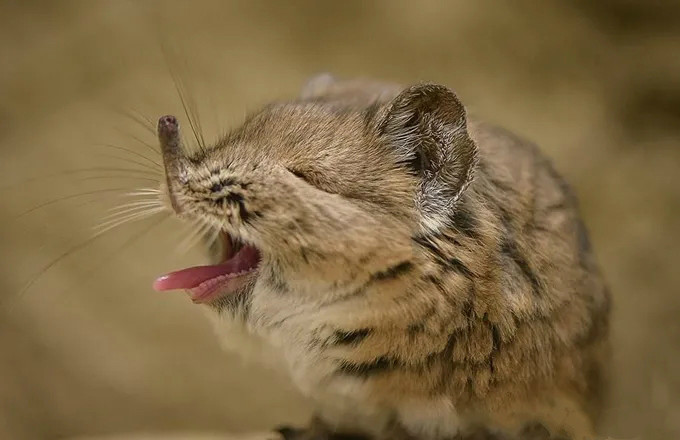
pixel 428 119
pixel 399 122
pixel 317 85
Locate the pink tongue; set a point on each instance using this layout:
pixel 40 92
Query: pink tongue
pixel 244 260
pixel 189 278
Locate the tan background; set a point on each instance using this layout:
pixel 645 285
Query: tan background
pixel 90 349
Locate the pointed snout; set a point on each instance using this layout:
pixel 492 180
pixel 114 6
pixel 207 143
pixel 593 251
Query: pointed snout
pixel 168 135
pixel 172 151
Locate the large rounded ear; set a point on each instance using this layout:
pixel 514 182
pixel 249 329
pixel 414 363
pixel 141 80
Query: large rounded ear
pixel 426 126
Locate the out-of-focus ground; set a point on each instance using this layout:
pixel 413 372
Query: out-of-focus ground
pixel 596 84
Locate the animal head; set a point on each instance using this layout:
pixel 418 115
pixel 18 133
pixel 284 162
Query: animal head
pixel 310 194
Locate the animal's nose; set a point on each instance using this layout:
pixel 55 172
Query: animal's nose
pixel 167 124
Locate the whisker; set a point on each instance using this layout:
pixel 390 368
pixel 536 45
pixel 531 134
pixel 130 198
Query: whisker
pixel 195 240
pixel 151 168
pixel 128 217
pixel 138 139
pixel 146 118
pixel 114 176
pixel 68 197
pixel 146 202
pixel 155 150
pixel 122 213
pixel 139 118
pixel 143 192
pixel 190 240
pixel 188 106
pixel 70 172
pixel 193 108
pixel 64 255
pixel 87 202
pixel 217 118
pixel 213 236
pixel 146 170
pixel 102 262
pixel 114 214
pixel 189 116
pixel 136 153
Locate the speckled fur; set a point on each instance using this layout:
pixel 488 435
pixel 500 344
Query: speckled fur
pixel 422 275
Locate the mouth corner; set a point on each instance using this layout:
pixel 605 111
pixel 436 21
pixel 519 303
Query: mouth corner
pixel 237 267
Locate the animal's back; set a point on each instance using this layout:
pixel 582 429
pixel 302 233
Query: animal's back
pixel 547 283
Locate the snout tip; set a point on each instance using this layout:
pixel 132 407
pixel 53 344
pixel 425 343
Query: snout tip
pixel 168 125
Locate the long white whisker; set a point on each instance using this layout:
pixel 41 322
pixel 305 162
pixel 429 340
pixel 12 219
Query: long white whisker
pixel 188 241
pixel 146 144
pixel 68 197
pixel 115 216
pixel 141 202
pixel 185 97
pixel 72 250
pixel 189 230
pixel 213 236
pixel 115 176
pixel 134 198
pixel 129 220
pixel 142 192
pixel 126 243
pixel 148 168
pixel 115 222
pixel 125 211
pixel 193 237
pixel 137 117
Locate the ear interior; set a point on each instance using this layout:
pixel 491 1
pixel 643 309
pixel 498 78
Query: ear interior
pixel 426 125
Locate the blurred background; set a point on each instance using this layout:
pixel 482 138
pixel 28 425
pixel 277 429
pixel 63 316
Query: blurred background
pixel 87 348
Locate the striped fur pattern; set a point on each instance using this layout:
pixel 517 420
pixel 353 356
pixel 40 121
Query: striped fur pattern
pixel 423 275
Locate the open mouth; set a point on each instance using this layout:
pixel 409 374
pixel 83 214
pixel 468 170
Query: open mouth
pixel 205 284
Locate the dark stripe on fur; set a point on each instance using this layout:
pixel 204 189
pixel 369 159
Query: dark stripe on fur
pixel 381 365
pixel 459 267
pixel 421 325
pixel 393 272
pixel 387 274
pixel 510 249
pixel 352 337
pixel 496 335
pixel 276 281
pixel 290 433
pixel 464 221
pixel 425 242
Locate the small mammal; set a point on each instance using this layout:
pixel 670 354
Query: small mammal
pixel 418 274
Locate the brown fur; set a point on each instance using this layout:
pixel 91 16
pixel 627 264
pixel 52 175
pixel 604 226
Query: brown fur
pixel 422 275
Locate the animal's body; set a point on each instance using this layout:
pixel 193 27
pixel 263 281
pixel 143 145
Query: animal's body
pixel 419 275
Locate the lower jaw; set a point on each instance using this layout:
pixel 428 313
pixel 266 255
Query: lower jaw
pixel 221 287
